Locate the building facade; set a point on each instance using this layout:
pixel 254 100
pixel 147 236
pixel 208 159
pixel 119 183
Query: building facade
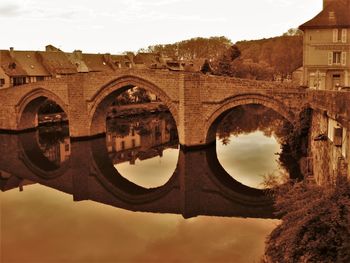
pixel 326 48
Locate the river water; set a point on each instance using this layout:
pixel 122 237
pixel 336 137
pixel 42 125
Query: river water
pixel 135 196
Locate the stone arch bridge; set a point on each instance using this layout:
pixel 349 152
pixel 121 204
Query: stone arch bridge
pixel 196 101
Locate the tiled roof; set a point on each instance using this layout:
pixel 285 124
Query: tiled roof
pixel 147 59
pixel 57 63
pixel 334 15
pixel 76 58
pixel 96 62
pixel 10 66
pixel 123 60
pixel 30 63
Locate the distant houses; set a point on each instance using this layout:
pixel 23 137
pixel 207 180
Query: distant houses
pixel 22 67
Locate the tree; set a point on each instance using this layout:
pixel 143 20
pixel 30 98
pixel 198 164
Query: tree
pixel 206 68
pixel 315 223
pixel 224 64
pixel 293 32
pixel 194 48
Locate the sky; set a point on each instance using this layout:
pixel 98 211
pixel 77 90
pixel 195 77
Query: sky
pixel 115 26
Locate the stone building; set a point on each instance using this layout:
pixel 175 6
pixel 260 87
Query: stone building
pixel 21 67
pixel 326 59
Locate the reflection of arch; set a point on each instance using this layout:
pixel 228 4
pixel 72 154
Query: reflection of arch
pixel 120 187
pixel 104 97
pixel 234 190
pixel 34 159
pixel 225 106
pixel 28 107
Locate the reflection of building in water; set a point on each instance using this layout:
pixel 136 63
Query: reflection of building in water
pixel 57 152
pixel 145 139
pixel 124 147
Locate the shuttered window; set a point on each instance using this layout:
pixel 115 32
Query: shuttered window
pixel 335 35
pixel 344 35
pixel 343 58
pixel 330 58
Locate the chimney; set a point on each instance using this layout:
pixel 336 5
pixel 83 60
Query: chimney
pixel 78 54
pixel 12 52
pixel 327 2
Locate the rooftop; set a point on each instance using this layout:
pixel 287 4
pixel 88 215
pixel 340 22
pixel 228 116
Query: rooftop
pixel 336 14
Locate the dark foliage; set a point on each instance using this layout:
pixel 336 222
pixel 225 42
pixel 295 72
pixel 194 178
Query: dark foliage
pixel 283 54
pixel 295 146
pixel 315 223
pixel 50 107
pixel 51 136
pixel 206 67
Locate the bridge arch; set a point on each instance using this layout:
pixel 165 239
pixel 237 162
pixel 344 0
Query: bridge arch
pixel 103 98
pixel 256 200
pixel 29 104
pixel 34 159
pixel 120 187
pixel 219 112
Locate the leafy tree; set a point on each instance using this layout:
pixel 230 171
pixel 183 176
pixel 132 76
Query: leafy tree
pixel 50 107
pixel 194 48
pixel 206 68
pixel 132 96
pixel 293 32
pixel 315 223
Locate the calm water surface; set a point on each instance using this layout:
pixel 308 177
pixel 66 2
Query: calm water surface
pixel 133 190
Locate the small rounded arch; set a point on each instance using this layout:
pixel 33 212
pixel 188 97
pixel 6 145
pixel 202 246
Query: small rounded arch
pixel 225 106
pixel 29 104
pixel 103 98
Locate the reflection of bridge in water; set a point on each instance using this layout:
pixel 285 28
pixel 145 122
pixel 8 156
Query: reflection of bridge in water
pixel 199 185
pixel 197 103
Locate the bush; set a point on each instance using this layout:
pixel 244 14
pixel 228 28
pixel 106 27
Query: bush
pixel 315 223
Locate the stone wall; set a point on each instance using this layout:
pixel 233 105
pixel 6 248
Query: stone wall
pixel 327 158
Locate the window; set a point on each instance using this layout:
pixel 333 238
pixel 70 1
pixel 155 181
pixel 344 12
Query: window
pixel 122 144
pixel 343 58
pixel 344 35
pixel 2 82
pixel 40 78
pixel 336 57
pixel 340 35
pixel 335 35
pixel 18 81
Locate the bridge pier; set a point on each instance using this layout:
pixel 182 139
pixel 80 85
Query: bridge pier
pixel 191 120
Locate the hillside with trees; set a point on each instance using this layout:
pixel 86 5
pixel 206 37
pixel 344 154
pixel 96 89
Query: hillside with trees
pixel 281 55
pixel 194 48
pixel 264 59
